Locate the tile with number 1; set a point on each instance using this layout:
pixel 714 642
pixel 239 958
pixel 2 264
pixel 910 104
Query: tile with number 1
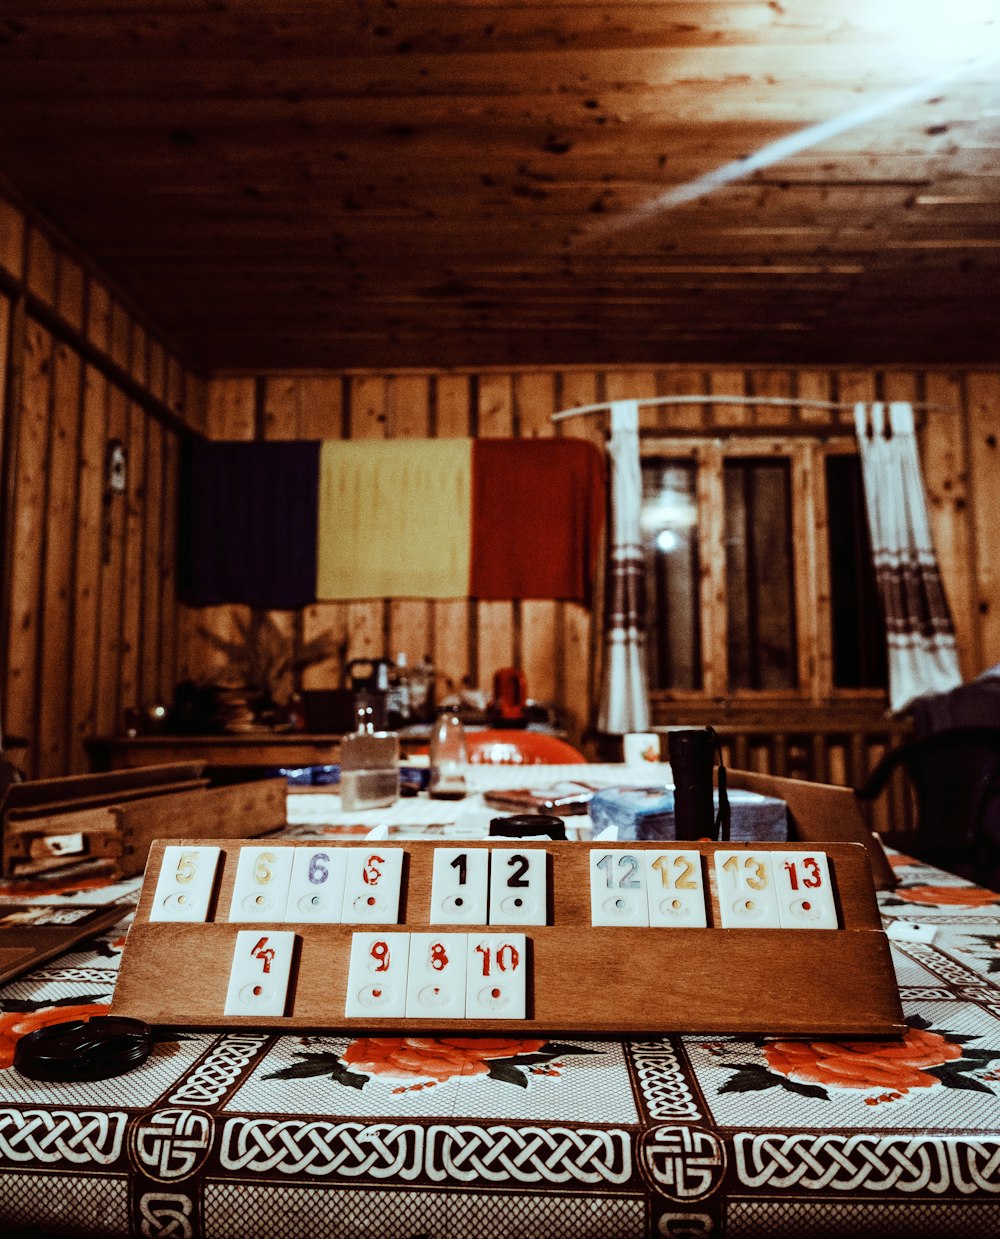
pixel 460 885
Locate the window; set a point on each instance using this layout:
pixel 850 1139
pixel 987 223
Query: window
pixel 758 569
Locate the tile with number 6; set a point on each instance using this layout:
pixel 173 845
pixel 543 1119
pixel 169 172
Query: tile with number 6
pixel 372 885
pixel 460 886
pixel 496 974
pixel 376 981
pixel 518 886
pixel 744 882
pixel 675 888
pixel 435 985
pixel 185 883
pixel 316 891
pixel 805 890
pixel 261 888
pixel 258 979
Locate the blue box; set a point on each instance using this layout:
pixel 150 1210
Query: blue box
pixel 645 813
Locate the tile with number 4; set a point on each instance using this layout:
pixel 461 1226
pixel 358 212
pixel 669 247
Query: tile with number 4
pixel 261 888
pixel 745 886
pixel 496 972
pixel 675 888
pixel 617 888
pixel 460 886
pixel 805 891
pixel 258 979
pixel 372 886
pixel 435 985
pixel 376 982
pixel 518 886
pixel 316 891
pixel 185 884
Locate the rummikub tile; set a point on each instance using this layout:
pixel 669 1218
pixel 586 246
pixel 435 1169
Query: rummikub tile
pixel 746 890
pixel 617 888
pixel 261 888
pixel 460 886
pixel 376 982
pixel 316 891
pixel 185 883
pixel 518 886
pixel 675 888
pixel 435 986
pixel 495 986
pixel 258 980
pixel 805 891
pixel 372 885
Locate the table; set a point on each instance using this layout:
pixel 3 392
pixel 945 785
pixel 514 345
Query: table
pixel 245 1134
pixel 255 748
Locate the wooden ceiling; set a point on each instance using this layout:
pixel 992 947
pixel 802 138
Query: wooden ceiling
pixel 305 183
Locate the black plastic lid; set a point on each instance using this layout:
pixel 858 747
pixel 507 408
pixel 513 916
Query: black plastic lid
pixel 95 1049
pixel 528 826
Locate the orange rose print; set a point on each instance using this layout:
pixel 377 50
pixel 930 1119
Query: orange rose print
pixel 949 896
pixel 864 1064
pixel 15 1024
pixel 437 1059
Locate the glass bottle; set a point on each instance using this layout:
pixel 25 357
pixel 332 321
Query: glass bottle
pixel 369 765
pixel 448 757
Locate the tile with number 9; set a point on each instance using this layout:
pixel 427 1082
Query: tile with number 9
pixel 435 985
pixel 675 888
pixel 745 886
pixel 376 981
pixel 805 890
pixel 372 886
pixel 316 891
pixel 518 886
pixel 260 891
pixel 258 979
pixel 185 883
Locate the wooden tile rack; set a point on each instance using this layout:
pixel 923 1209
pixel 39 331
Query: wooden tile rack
pixel 583 979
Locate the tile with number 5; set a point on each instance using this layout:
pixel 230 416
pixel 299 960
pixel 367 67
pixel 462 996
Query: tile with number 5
pixel 258 979
pixel 518 886
pixel 805 890
pixel 316 891
pixel 261 888
pixel 185 884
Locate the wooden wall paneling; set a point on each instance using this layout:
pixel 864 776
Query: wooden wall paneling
pixel 154 507
pixel 139 355
pixel 409 619
pixel 320 402
pixel 812 602
pixel 121 336
pixel 945 465
pixel 368 417
pixel 772 383
pixel 712 560
pixel 27 535
pixel 110 630
pixel 232 417
pixel 728 383
pixel 174 665
pixel 538 655
pixel 634 385
pixel 98 325
pixel 135 554
pixel 71 291
pixel 452 648
pixel 983 397
pixel 12 231
pixel 854 385
pixel 495 621
pixel 279 419
pixel 814 385
pixel 6 322
pixel 41 274
pixel 55 636
pixel 679 381
pixel 580 657
pixel 157 370
pixel 87 565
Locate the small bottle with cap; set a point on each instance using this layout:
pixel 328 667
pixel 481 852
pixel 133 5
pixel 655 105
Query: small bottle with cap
pixel 369 765
pixel 448 758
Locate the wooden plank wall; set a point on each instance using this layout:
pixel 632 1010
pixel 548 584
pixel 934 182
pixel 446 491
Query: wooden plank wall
pixel 553 642
pixel 89 616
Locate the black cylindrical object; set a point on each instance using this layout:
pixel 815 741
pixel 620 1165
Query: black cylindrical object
pixel 692 756
pixel 528 826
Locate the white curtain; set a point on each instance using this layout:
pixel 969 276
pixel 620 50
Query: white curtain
pixel 624 703
pixel 921 637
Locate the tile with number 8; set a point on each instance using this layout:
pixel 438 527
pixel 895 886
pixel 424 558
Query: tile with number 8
pixel 745 886
pixel 376 981
pixel 316 890
pixel 518 886
pixel 496 973
pixel 260 891
pixel 258 979
pixel 460 886
pixel 805 890
pixel 372 886
pixel 185 884
pixel 675 888
pixel 435 984
pixel 617 888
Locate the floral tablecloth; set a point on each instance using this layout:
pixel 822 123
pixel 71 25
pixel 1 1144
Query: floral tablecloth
pixel 244 1134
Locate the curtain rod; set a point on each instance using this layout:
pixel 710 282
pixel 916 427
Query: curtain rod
pixel 784 401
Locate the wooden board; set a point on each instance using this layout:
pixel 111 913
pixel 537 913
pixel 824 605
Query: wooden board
pixel 32 934
pixel 582 978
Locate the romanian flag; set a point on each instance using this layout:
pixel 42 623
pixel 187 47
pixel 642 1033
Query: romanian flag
pixel 396 518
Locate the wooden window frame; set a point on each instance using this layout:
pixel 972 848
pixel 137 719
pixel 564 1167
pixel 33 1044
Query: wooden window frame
pixel 810 559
